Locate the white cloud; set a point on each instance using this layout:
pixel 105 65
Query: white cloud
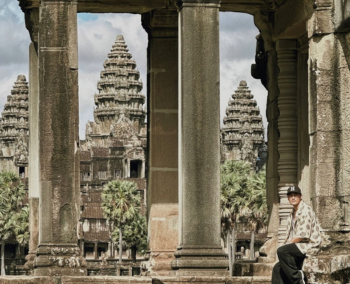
pixel 97 33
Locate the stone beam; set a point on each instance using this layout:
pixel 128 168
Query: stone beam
pixel 58 117
pixel 144 6
pixel 199 145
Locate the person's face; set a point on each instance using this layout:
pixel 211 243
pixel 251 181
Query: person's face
pixel 294 198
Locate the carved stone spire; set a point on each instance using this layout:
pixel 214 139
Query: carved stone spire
pixel 119 89
pixel 243 130
pixel 15 114
pixel 14 129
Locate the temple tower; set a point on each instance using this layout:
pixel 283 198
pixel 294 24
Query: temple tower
pixel 14 130
pixel 119 116
pixel 119 90
pixel 114 148
pixel 243 130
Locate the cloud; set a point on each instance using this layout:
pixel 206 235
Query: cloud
pixel 14 46
pixel 96 35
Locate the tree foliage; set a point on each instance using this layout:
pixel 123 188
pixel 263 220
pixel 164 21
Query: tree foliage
pixel 243 196
pixel 121 206
pixel 120 201
pixel 14 218
pixel 134 234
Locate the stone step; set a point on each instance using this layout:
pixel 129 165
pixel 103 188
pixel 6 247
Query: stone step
pixel 253 269
pixel 249 280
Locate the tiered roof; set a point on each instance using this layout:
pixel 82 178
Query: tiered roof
pixel 14 121
pixel 243 127
pixel 119 87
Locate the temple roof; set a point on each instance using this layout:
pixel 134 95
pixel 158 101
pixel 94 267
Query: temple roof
pixel 243 127
pixel 119 87
pixel 14 117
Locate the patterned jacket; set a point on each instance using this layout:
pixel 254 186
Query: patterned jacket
pixel 306 227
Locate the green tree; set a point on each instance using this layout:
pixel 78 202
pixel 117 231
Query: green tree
pixel 134 234
pixel 12 194
pixel 120 204
pixel 243 196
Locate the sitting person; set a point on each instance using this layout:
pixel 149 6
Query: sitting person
pixel 303 234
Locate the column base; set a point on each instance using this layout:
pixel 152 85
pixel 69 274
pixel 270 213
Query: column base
pixel 30 258
pixel 59 260
pixel 200 262
pixel 159 264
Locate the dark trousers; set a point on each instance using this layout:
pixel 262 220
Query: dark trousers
pixel 286 271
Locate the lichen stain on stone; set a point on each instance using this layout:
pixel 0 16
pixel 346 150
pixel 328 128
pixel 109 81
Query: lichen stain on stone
pixel 66 223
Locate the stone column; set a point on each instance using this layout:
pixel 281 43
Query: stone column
pixel 199 251
pixel 32 19
pixel 287 125
pixel 162 175
pixel 272 177
pixel 95 250
pixel 58 252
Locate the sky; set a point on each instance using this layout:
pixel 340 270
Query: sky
pixel 96 35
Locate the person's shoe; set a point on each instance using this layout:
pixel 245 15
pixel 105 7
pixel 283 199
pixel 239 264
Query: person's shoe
pixel 302 280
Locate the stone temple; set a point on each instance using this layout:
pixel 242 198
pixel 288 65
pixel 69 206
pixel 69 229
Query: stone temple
pixel 243 130
pixel 114 148
pixel 303 61
pixel 14 130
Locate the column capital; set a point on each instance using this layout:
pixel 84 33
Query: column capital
pixel 28 4
pixel 161 22
pixel 32 24
pixel 290 44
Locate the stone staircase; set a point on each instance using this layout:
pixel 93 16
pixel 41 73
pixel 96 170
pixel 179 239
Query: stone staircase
pixel 248 272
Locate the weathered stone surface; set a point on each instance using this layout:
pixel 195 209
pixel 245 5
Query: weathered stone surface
pixel 26 280
pixel 321 22
pixel 332 205
pixel 253 269
pixel 105 280
pixel 163 138
pixel 163 220
pixel 268 250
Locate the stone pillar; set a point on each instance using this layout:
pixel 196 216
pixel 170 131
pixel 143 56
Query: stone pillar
pixel 272 177
pixel 199 251
pixel 162 175
pixel 287 125
pixel 143 167
pixel 82 248
pixel 32 19
pixel 58 252
pixel 95 250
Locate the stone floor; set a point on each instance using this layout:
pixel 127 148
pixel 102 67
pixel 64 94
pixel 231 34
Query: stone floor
pixel 133 280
